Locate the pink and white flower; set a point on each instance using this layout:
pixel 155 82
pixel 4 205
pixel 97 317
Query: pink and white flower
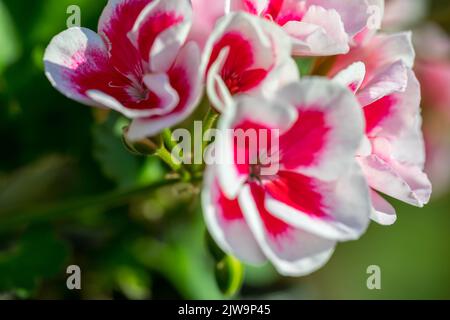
pixel 246 55
pixel 138 64
pixel 393 155
pixel 295 216
pixel 206 13
pixel 317 27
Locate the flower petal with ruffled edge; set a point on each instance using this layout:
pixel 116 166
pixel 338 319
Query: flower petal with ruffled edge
pixel 134 65
pixel 240 55
pixel 394 154
pixel 316 196
pixel 317 27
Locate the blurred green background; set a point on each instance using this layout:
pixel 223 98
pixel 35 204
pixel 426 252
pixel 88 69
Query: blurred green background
pixel 71 194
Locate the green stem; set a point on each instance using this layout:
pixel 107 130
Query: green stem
pixel 166 156
pixel 168 140
pixel 209 122
pixel 323 66
pixel 16 217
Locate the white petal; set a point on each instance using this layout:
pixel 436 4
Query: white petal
pixel 383 212
pixel 352 77
pixel 320 33
pixel 254 110
pixel 334 104
pixel 229 229
pixel 70 54
pixel 345 203
pixel 294 253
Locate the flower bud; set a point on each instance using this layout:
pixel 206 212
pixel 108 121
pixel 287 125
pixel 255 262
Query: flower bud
pixel 146 146
pixel 229 276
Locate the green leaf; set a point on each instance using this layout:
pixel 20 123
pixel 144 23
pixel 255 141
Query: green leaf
pixel 182 259
pixel 9 44
pixel 53 16
pixel 38 255
pixel 20 188
pixel 305 65
pixel 216 253
pixel 133 282
pixel 21 215
pixel 116 162
pixel 229 275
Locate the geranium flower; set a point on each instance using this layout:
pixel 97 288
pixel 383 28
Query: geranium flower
pixel 138 64
pixel 393 155
pixel 246 55
pixel 317 196
pixel 205 16
pixel 317 27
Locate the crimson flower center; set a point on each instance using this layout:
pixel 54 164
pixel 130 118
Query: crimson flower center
pixel 233 82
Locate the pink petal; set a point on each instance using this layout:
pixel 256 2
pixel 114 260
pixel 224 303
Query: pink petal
pixel 402 14
pixel 319 33
pixel 352 77
pixel 434 78
pixel 403 182
pixel 378 53
pixel 383 212
pixel 248 114
pixel 160 31
pixel 186 81
pixel 78 65
pixel 318 144
pixel 409 147
pixel 206 14
pixel 337 210
pixel 386 81
pixel 240 55
pixel 117 19
pixel 77 60
pixel 293 252
pixel 227 224
pixel 432 35
pixel 393 114
pixel 354 13
pixel 255 7
pixel 438 156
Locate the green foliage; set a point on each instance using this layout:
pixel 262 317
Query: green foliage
pixel 182 259
pixel 229 275
pixel 305 65
pixel 9 43
pixel 115 161
pixel 37 255
pixel 19 188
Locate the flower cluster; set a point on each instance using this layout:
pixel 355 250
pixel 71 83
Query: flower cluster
pixel 341 136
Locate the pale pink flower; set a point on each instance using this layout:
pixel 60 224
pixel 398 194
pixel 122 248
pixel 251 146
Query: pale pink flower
pixel 246 55
pixel 393 154
pixel 433 71
pixel 206 13
pixel 437 142
pixel 434 76
pixel 138 64
pixel 433 66
pixel 317 27
pixel 292 217
pixel 401 14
